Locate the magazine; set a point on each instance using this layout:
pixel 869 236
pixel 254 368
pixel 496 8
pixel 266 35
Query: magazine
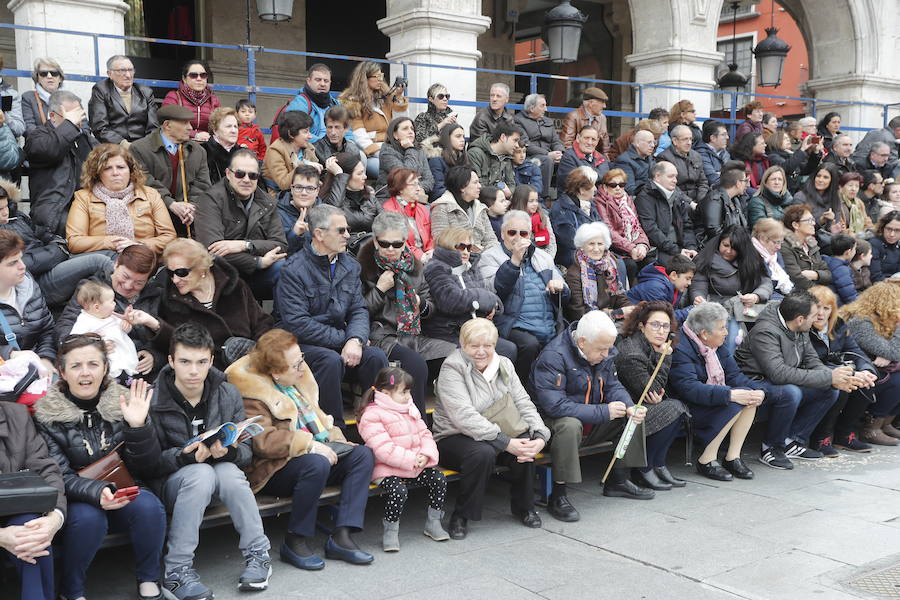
pixel 229 433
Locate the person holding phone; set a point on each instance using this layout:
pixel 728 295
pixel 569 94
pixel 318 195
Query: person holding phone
pixel 84 417
pixel 439 114
pixel 11 114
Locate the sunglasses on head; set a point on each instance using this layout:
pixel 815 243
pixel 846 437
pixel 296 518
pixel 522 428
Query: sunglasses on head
pixel 521 232
pixel 195 75
pixel 76 336
pixel 442 96
pixel 387 244
pixel 615 184
pixel 252 175
pixel 466 247
pixel 48 73
pixel 182 272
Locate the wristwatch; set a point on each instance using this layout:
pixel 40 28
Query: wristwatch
pixel 248 246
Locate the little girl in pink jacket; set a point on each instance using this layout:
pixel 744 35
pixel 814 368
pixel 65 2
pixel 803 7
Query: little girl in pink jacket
pixel 405 453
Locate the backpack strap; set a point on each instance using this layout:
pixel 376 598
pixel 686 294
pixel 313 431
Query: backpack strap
pixel 40 107
pixel 8 332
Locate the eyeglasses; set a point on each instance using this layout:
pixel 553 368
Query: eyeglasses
pixel 466 247
pixel 659 325
pixel 304 188
pixel 341 230
pixel 615 184
pixel 387 244
pixel 195 75
pixel 182 272
pixel 807 220
pixel 892 230
pixel 522 232
pixel 251 175
pixel 442 96
pixel 122 71
pixel 56 74
pixel 297 366
pixel 776 242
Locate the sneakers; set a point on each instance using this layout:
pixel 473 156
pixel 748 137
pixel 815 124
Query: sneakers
pixel 852 444
pixel 824 446
pixel 257 570
pixel 184 584
pixel 798 450
pixel 775 458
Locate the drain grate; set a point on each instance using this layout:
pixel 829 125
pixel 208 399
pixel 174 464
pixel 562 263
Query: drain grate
pixel 885 584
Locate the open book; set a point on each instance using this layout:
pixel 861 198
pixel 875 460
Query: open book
pixel 229 433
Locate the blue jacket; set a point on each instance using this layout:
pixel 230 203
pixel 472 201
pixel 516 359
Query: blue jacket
pixel 529 173
pixel 566 217
pixel 289 215
pixel 11 155
pixel 712 163
pixel 637 169
pixel 654 284
pixel 841 279
pixel 687 376
pixel 564 384
pixel 572 159
pixel 439 170
pixel 318 307
pixel 885 259
pixel 302 102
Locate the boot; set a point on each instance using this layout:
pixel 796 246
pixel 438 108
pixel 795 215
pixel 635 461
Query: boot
pixel 872 432
pixel 889 428
pixel 390 539
pixel 433 527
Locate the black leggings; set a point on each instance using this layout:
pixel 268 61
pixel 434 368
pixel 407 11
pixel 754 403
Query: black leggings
pixel 395 492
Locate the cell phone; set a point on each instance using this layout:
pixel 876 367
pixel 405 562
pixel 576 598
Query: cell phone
pixel 129 492
pixel 6 103
pixel 815 139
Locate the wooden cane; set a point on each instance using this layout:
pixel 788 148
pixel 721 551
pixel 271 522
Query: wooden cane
pixel 183 181
pixel 665 352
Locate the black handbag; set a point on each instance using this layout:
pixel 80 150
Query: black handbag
pixel 25 492
pixel 30 377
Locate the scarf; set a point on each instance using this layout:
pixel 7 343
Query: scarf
pixel 857 221
pixel 590 269
pixel 782 280
pixel 307 419
pixel 772 198
pixel 628 220
pixel 118 219
pixel 320 99
pixel 715 374
pixel 408 320
pixel 193 96
pixel 539 232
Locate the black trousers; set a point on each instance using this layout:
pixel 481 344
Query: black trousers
pixel 843 418
pixel 528 347
pixel 475 462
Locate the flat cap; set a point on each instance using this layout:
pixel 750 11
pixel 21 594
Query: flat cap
pixel 594 93
pixel 173 112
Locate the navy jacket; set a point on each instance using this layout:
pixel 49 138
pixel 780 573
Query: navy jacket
pixel 653 284
pixel 566 217
pixel 320 308
pixel 842 347
pixel 637 169
pixel 572 159
pixel 841 279
pixel 529 172
pixel 561 380
pixel 712 163
pixel 885 259
pixel 289 215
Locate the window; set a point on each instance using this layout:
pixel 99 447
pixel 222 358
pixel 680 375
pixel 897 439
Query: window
pixel 744 63
pixel 743 11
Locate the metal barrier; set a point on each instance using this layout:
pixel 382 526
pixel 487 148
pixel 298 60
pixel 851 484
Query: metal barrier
pixel 251 89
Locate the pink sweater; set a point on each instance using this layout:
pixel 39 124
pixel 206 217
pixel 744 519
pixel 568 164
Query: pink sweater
pixel 396 434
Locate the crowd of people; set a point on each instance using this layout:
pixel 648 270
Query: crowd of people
pixel 546 286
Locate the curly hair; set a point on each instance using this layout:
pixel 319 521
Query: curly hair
pixel 642 312
pixel 267 356
pixel 358 92
pixel 217 116
pixel 98 158
pixel 880 304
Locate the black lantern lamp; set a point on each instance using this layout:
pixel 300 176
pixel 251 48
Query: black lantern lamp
pixel 733 80
pixel 770 56
pixel 562 31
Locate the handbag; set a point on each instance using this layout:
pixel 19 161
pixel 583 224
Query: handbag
pixel 110 468
pixel 25 492
pixel 30 377
pixel 505 414
pixel 340 448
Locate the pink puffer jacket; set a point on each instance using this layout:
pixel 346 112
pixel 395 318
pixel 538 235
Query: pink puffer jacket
pixel 396 434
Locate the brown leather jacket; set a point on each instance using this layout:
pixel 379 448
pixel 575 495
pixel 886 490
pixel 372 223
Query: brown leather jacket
pixel 577 119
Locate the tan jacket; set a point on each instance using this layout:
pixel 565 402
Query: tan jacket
pixel 577 119
pixel 86 225
pixel 278 166
pixel 280 440
pixel 369 127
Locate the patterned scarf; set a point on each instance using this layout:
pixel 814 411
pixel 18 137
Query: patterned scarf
pixel 631 226
pixel 307 419
pixel 590 269
pixel 857 219
pixel 408 318
pixel 782 280
pixel 118 220
pixel 193 96
pixel 715 374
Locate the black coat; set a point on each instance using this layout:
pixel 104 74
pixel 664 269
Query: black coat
pixel 637 169
pixel 885 259
pixel 717 212
pixel 217 159
pixel 77 438
pixel 111 123
pixel 841 347
pixel 31 321
pixel 43 248
pixel 658 219
pixel 796 164
pixel 691 178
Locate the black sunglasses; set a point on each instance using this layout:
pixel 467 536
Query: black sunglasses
pixel 75 336
pixel 615 184
pixel 466 247
pixel 387 244
pixel 182 272
pixel 48 73
pixel 522 232
pixel 252 175
pixel 194 75
pixel 442 96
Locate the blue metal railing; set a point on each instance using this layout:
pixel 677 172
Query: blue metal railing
pixel 251 89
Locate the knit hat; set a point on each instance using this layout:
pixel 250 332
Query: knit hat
pixel 594 93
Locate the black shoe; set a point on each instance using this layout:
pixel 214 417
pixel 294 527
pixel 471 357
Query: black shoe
pixel 775 458
pixel 798 450
pixel 738 468
pixel 664 474
pixel 714 470
pixel 627 489
pixel 561 509
pixel 353 556
pixel 459 527
pixel 649 479
pixel 529 519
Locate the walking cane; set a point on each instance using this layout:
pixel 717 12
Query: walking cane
pixel 183 181
pixel 630 427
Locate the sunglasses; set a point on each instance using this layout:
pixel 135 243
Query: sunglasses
pixel 340 230
pixel 466 247
pixel 387 244
pixel 303 188
pixel 76 336
pixel 182 272
pixel 522 232
pixel 442 96
pixel 251 175
pixel 194 75
pixel 615 184
pixel 48 73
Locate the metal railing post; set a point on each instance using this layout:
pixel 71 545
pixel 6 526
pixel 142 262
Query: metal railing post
pixel 96 55
pixel 640 102
pixel 813 108
pixel 532 85
pixel 405 73
pixel 885 113
pixel 251 74
pixel 733 110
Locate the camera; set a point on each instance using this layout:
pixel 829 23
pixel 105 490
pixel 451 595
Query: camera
pixel 400 81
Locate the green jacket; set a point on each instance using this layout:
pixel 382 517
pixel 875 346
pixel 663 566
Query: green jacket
pixel 490 166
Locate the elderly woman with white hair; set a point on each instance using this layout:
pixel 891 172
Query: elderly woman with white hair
pixel 48 77
pixel 593 277
pixel 484 417
pixel 542 140
pixel 722 400
pixel 439 114
pixel 572 210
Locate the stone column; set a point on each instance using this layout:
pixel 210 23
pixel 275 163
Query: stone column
pixel 74 53
pixel 441 32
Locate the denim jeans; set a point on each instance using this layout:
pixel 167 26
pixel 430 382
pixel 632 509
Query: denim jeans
pixel 36 579
pixel 794 411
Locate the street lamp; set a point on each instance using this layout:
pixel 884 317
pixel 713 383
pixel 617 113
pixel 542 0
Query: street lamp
pixel 275 10
pixel 770 56
pixel 733 80
pixel 562 31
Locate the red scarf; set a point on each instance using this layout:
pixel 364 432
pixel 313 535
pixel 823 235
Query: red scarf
pixel 540 233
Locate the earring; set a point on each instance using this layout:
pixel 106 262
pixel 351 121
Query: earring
pixel 275 377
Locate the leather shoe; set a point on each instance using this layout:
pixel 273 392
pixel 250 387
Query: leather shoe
pixel 459 527
pixel 354 557
pixel 738 468
pixel 650 480
pixel 627 489
pixel 665 475
pixel 714 470
pixel 159 596
pixel 308 563
pixel 561 509
pixel 529 519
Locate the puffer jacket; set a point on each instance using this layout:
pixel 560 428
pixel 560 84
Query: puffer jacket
pixel 797 260
pixel 426 123
pixel 529 173
pixel 636 169
pixel 396 434
pixel 43 248
pixel 446 213
pixel 713 161
pixel 766 203
pixel 407 158
pixel 201 121
pixel 574 158
pixel 566 217
pixel 31 322
pixel 654 284
pixel 110 121
pixel 369 126
pixel 885 259
pixel 778 355
pixel 721 282
pixel 841 279
pixel 540 134
pixel 11 155
pixel 490 166
pixel 77 438
pixel 455 289
pixel 691 177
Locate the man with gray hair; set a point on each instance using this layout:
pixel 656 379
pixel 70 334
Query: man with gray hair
pixel 878 160
pixel 688 162
pixel 887 135
pixel 576 389
pixel 665 214
pixel 488 117
pixel 540 133
pixel 841 148
pixel 319 299
pixel 120 110
pixel 56 151
pixel 636 161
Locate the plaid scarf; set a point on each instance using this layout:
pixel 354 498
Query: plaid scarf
pixel 193 96
pixel 408 320
pixel 590 269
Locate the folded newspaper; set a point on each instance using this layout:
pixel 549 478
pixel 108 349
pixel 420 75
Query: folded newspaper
pixel 229 433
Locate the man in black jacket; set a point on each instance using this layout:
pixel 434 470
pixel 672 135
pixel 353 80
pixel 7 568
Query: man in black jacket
pixel 121 111
pixel 689 164
pixel 191 398
pixel 665 215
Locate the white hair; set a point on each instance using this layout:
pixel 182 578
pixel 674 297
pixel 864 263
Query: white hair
pixel 531 101
pixel 502 86
pixel 704 317
pixel 590 231
pixel 588 172
pixel 516 215
pixel 642 133
pixel 806 121
pixel 593 324
pixel 680 131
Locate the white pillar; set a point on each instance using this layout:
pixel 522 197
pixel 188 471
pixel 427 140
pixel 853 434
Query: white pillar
pixel 680 67
pixel 856 88
pixel 441 32
pixel 74 53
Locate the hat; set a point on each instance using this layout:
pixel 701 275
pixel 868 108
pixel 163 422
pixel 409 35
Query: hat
pixel 173 112
pixel 594 93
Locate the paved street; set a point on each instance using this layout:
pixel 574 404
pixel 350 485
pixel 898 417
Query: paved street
pixel 801 534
